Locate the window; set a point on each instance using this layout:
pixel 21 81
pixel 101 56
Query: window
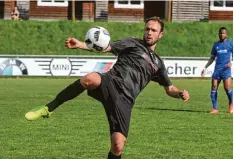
pixel 221 5
pixel 129 4
pixel 55 3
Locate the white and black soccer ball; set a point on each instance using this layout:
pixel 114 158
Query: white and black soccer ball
pixel 97 38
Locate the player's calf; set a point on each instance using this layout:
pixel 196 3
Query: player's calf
pixel 230 109
pixel 70 92
pixel 229 93
pixel 117 148
pixel 117 145
pixel 213 96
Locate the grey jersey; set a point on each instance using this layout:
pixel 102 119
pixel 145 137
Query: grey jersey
pixel 135 67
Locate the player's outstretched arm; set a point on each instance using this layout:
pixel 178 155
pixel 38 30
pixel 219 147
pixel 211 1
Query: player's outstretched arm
pixel 73 43
pixel 174 92
pixel 210 61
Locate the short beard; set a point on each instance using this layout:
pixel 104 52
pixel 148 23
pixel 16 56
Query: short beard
pixel 148 43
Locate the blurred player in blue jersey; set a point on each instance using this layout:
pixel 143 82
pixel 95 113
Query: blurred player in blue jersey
pixel 222 50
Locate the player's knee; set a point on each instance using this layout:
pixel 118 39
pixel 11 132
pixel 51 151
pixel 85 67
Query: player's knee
pixel 227 86
pixel 91 81
pixel 117 147
pixel 214 87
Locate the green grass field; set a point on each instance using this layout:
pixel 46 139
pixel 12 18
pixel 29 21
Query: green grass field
pixel 161 127
pixel 47 38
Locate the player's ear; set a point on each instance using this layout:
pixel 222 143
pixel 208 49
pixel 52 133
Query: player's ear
pixel 160 35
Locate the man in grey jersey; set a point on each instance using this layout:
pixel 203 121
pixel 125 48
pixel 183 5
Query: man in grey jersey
pixel 117 89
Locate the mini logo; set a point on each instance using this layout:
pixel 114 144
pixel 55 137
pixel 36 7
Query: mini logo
pixel 60 67
pixel 13 67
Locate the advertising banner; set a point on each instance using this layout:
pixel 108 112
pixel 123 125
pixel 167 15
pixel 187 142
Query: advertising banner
pixel 80 67
pixel 52 66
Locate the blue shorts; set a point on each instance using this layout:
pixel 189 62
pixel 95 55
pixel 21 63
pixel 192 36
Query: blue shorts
pixel 222 74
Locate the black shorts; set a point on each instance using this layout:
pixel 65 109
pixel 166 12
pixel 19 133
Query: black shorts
pixel 117 108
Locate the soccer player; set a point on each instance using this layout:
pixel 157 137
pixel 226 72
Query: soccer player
pixel 117 89
pixel 222 51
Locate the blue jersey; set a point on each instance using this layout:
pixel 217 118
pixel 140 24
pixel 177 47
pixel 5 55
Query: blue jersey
pixel 223 53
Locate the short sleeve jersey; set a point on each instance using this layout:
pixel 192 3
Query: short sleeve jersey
pixel 135 67
pixel 223 51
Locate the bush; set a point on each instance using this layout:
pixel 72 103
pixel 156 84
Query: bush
pixel 43 37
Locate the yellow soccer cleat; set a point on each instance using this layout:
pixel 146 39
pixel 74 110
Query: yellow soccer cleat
pixel 41 111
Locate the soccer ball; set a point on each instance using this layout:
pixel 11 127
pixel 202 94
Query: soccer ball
pixel 97 38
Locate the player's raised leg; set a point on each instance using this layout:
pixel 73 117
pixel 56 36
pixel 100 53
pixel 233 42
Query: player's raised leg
pixel 90 81
pixel 117 145
pixel 228 89
pixel 214 96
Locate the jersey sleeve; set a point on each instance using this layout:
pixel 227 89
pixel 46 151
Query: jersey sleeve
pixel 161 77
pixel 231 49
pixel 120 45
pixel 231 41
pixel 213 51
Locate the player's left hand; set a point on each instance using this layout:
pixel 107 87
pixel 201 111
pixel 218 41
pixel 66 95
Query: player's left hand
pixel 184 95
pixel 229 64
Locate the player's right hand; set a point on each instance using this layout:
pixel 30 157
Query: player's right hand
pixel 203 72
pixel 72 43
pixel 229 64
pixel 184 95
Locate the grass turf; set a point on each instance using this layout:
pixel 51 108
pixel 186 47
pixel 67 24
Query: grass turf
pixel 161 127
